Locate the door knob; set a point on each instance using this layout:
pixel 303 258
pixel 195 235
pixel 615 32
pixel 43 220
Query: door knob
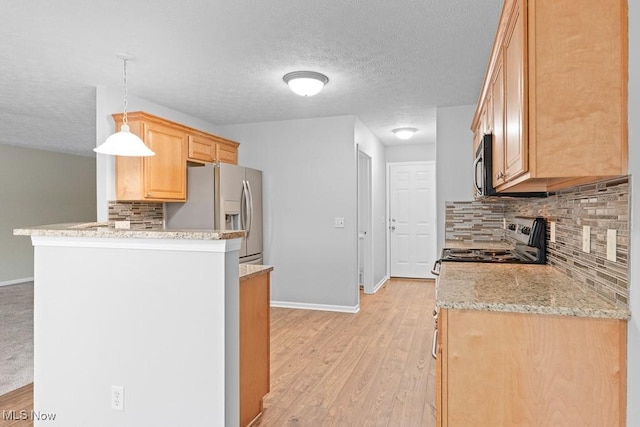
pixel 392 228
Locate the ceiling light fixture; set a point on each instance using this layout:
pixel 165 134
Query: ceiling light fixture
pixel 124 143
pixel 404 133
pixel 305 83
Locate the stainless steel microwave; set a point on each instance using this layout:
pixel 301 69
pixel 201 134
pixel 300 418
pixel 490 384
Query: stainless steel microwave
pixel 483 175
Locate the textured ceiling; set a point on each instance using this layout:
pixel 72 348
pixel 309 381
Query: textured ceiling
pixel 390 62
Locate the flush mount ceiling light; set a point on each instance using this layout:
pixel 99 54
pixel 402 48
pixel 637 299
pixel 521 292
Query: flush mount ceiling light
pixel 404 133
pixel 305 83
pixel 124 143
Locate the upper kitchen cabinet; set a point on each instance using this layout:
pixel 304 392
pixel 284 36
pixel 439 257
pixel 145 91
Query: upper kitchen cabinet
pixel 557 84
pixel 163 177
pixel 207 148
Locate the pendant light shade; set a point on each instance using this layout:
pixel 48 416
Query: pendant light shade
pixel 305 83
pixel 404 133
pixel 124 143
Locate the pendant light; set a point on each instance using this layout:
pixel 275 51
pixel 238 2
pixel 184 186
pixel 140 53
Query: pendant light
pixel 305 83
pixel 404 133
pixel 124 143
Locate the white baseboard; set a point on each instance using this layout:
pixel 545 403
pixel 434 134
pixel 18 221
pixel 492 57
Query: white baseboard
pixel 16 281
pixel 380 283
pixel 320 307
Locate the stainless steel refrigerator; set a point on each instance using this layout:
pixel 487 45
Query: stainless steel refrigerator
pixel 222 197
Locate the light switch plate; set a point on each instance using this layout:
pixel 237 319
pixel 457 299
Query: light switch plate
pixel 339 223
pixel 611 245
pixel 552 231
pixel 586 238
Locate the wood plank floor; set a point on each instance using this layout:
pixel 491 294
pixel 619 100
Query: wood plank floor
pixel 373 368
pixel 12 406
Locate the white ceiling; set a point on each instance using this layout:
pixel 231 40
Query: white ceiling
pixel 390 62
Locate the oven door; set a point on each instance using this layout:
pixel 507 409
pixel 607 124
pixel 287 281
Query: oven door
pixel 434 344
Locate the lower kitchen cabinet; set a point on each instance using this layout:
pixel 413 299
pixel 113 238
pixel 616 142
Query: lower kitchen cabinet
pixel 254 345
pixel 507 369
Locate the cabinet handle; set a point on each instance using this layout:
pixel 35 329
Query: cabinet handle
pixel 149 194
pixel 434 346
pixel 500 175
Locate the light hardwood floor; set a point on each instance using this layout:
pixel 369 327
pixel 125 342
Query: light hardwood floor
pixel 15 406
pixel 373 368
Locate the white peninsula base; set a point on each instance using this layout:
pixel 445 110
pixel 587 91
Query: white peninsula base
pixel 156 316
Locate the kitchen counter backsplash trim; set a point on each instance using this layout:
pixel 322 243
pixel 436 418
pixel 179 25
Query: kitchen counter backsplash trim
pixel 601 205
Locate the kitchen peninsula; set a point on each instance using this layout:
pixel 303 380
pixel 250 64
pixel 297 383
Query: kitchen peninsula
pixel 155 312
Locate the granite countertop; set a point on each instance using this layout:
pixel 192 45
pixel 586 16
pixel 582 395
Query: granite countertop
pixel 250 270
pixel 519 288
pixel 105 230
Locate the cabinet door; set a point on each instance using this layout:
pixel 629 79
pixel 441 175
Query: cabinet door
pixel 202 149
pixel 515 145
pixel 165 174
pixel 498 150
pixel 254 346
pixel 227 153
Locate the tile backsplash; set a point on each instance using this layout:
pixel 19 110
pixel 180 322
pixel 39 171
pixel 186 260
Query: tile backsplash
pixel 602 205
pixel 142 215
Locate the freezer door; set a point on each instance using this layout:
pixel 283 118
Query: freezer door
pixel 253 178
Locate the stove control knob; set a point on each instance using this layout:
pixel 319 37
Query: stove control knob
pixel 512 227
pixel 526 230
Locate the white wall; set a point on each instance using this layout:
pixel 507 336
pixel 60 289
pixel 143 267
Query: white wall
pixel 110 101
pixel 633 339
pixel 309 178
pixel 370 145
pixel 454 159
pixel 410 153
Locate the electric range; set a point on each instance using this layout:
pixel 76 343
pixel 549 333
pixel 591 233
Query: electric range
pixel 527 236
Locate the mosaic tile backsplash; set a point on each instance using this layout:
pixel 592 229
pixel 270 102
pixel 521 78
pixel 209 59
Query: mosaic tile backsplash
pixel 602 205
pixel 142 215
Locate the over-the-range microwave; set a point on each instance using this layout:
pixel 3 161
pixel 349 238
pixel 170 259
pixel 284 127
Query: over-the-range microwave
pixel 483 169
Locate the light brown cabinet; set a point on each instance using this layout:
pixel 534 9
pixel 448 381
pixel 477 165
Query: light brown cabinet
pixel 499 369
pixel 562 71
pixel 254 345
pixel 202 149
pixel 163 177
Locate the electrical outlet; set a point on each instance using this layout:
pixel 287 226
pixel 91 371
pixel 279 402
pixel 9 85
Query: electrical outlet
pixel 552 231
pixel 117 397
pixel 339 222
pixel 611 245
pixel 124 225
pixel 586 238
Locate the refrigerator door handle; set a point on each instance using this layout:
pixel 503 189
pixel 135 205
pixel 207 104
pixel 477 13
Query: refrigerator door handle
pixel 250 208
pixel 243 206
pixel 244 209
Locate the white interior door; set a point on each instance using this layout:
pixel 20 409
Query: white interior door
pixel 365 247
pixel 412 219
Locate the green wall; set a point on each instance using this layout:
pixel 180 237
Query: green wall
pixel 39 187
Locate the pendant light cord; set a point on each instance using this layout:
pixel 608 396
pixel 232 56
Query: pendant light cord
pixel 124 115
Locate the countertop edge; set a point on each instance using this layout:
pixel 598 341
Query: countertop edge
pixel 256 270
pixel 615 314
pixel 104 231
